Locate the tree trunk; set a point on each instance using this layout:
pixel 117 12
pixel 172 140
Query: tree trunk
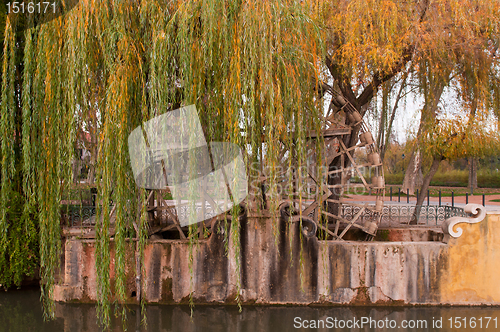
pixel 413 174
pixel 76 168
pixel 472 172
pixel 425 186
pixel 93 150
pixel 91 174
pixel 383 144
pixel 346 96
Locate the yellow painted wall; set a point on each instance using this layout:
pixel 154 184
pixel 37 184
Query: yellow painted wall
pixel 472 275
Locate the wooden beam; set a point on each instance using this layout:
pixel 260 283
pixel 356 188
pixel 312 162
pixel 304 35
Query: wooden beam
pixel 330 132
pixel 356 217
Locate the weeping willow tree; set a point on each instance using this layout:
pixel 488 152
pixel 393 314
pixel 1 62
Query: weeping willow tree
pixel 250 67
pixel 18 227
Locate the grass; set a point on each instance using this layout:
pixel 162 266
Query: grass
pixel 446 191
pixel 455 178
pixel 433 191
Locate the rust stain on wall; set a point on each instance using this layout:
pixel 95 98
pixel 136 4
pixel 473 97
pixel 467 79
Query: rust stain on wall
pixel 464 271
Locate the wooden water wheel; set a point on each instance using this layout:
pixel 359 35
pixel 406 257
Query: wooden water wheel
pixel 319 194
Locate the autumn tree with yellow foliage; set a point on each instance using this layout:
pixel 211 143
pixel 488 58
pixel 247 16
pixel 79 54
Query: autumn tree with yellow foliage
pixel 440 42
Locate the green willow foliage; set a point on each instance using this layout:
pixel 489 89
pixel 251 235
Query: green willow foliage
pixel 250 68
pixel 18 226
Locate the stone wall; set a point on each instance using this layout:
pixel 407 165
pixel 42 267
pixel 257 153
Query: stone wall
pixel 272 270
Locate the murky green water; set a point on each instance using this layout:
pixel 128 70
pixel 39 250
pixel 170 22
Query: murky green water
pixel 21 311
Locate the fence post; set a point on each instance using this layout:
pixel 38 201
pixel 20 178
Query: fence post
pixel 466 198
pixel 391 193
pixel 483 200
pixel 417 194
pixel 407 195
pixel 452 199
pixel 427 213
pixel 428 194
pixel 399 195
pixel 439 197
pixel 93 194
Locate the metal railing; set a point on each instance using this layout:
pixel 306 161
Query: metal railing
pixel 392 215
pixel 400 215
pixel 406 197
pixel 78 215
pixel 84 215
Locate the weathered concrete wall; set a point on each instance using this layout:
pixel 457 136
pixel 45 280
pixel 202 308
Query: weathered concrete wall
pixel 464 271
pixel 473 273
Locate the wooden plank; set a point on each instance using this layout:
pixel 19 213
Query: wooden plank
pixel 330 158
pixel 328 231
pixel 341 219
pixel 337 225
pixel 342 161
pixel 174 218
pixel 354 164
pixel 347 169
pixel 316 203
pixel 356 217
pixel 178 226
pixel 158 229
pixel 176 223
pixel 352 185
pixel 330 132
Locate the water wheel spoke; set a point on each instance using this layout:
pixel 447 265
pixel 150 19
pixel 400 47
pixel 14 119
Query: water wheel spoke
pixel 315 204
pixel 341 219
pixel 211 201
pixel 167 208
pixel 164 206
pixel 346 169
pixel 354 165
pixel 328 231
pixel 352 185
pixel 356 217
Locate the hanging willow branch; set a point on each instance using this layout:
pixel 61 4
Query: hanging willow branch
pixel 8 134
pixel 106 67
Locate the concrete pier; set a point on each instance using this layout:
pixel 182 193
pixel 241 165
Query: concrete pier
pixel 272 270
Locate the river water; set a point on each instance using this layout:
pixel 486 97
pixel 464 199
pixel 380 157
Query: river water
pixel 20 310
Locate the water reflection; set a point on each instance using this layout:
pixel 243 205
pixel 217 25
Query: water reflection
pixel 21 311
